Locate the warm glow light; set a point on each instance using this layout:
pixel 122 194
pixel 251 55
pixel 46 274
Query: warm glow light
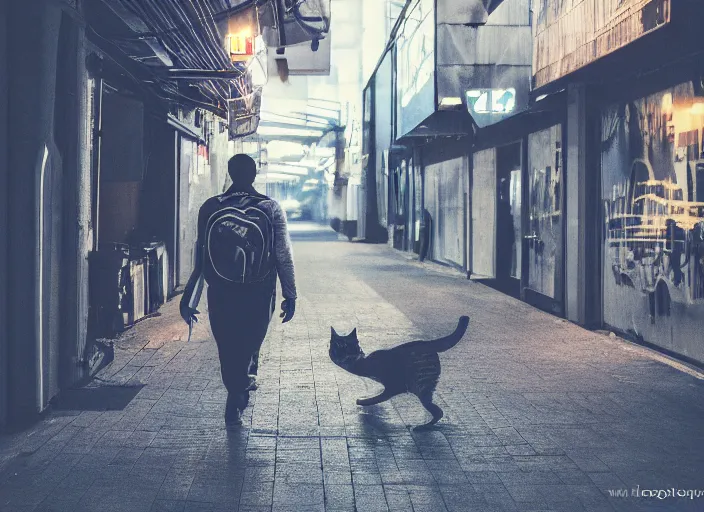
pixel 698 108
pixel 240 44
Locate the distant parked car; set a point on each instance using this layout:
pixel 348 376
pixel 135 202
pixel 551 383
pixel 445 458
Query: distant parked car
pixel 293 209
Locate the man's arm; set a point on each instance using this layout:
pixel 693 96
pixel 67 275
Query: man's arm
pixel 284 262
pixel 191 293
pixel 284 254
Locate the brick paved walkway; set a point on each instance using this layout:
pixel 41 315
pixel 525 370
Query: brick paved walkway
pixel 540 414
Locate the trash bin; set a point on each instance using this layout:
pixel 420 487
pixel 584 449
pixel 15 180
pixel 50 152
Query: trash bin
pixel 140 290
pixel 157 274
pixel 109 289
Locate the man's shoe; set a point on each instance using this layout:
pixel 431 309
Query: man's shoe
pixel 235 420
pixel 252 383
pixel 232 408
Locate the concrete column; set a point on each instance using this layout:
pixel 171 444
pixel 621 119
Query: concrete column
pixel 576 187
pixel 4 145
pixel 74 145
pixel 33 36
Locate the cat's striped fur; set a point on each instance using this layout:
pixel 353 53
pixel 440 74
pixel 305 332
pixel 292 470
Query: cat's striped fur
pixel 412 367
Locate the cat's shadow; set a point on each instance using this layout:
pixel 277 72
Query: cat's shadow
pixel 375 419
pixel 412 367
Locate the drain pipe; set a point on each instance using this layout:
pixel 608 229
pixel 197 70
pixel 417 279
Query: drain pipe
pixel 39 280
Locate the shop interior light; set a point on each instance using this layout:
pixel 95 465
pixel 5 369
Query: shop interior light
pixel 241 43
pixel 450 102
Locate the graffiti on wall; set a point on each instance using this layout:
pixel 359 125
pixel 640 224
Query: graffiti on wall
pixel 653 192
pixel 545 181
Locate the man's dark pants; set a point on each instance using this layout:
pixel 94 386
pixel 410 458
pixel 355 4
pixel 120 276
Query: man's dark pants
pixel 239 318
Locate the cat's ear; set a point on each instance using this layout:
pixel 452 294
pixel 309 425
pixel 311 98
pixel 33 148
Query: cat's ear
pixel 354 332
pixel 333 332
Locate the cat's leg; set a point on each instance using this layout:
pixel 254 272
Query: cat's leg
pixel 433 409
pixel 373 400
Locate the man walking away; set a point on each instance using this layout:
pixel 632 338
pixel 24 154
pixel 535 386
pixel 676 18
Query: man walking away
pixel 243 244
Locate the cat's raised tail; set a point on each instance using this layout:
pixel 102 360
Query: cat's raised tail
pixel 447 342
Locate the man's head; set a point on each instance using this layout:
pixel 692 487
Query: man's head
pixel 242 170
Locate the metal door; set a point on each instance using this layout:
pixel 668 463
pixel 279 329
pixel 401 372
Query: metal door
pixel 544 230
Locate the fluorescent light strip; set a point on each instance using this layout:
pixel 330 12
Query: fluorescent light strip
pixel 278 118
pixel 274 131
pixel 289 169
pixel 275 176
pixel 324 112
pixel 320 101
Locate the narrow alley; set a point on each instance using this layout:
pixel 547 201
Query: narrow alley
pixel 540 414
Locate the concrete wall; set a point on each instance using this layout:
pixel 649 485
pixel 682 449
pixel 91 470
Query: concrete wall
pixel 4 142
pixel 33 33
pixel 72 132
pixel 45 227
pixel 576 199
pixel 483 223
pixel 199 179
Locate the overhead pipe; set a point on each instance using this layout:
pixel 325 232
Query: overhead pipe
pixel 204 74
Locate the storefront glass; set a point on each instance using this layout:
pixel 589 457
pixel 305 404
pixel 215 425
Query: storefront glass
pixel 653 199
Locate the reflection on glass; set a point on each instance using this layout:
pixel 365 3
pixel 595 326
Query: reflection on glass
pixel 515 198
pixel 415 61
pixel 545 212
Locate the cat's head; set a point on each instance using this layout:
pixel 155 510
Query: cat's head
pixel 344 349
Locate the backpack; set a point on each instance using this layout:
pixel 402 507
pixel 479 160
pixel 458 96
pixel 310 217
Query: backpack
pixel 239 241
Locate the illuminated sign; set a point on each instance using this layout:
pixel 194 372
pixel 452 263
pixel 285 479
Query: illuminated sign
pixel 491 101
pixel 240 46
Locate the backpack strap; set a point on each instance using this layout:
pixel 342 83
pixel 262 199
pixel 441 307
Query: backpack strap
pixel 229 194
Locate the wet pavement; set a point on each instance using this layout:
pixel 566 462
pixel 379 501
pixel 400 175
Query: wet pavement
pixel 540 415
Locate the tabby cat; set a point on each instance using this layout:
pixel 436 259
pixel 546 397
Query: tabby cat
pixel 412 367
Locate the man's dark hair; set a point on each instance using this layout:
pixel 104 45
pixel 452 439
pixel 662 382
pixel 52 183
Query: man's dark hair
pixel 242 169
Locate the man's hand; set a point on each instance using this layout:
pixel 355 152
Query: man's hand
pixel 288 309
pixel 188 314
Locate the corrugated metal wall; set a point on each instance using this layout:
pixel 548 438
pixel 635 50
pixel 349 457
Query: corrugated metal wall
pixel 446 198
pixel 483 244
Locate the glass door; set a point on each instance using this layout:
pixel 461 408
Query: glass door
pixel 508 218
pixel 543 239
